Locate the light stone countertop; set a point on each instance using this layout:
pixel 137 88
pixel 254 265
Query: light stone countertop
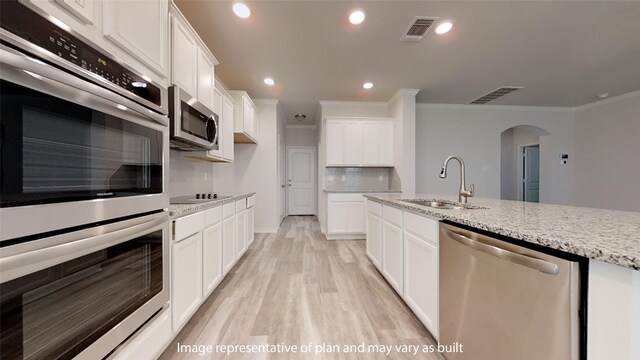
pixel 611 236
pixel 179 210
pixel 362 191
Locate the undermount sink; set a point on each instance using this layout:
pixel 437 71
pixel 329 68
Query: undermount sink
pixel 442 204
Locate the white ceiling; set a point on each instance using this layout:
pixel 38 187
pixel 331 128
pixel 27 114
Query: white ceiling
pixel 563 53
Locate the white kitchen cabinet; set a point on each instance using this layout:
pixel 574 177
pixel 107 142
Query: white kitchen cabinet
pixel 192 64
pixel 184 54
pixel 334 142
pixel 206 80
pixel 359 142
pixel 245 118
pixel 353 147
pixel 227 128
pixel 212 257
pixel 392 247
pixel 140 28
pixel 186 282
pixel 421 269
pixel 346 216
pixel 85 10
pixel 374 239
pixel 250 225
pixel 241 228
pixel 228 237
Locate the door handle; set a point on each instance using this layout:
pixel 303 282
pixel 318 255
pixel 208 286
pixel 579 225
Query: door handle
pixel 524 260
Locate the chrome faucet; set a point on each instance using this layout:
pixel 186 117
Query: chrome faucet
pixel 464 193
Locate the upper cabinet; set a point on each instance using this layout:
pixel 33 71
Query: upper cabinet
pixel 140 28
pixel 192 64
pixel 85 10
pixel 359 142
pixel 246 118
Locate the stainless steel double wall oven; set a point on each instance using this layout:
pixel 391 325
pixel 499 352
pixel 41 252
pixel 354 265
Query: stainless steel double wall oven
pixel 83 176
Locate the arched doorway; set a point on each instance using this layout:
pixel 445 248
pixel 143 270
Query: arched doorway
pixel 520 163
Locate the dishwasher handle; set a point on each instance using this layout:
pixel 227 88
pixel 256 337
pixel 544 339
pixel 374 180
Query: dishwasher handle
pixel 524 260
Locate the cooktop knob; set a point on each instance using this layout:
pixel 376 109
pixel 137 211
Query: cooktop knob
pixel 215 196
pixel 197 196
pixel 209 196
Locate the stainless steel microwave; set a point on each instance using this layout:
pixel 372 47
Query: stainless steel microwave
pixel 193 125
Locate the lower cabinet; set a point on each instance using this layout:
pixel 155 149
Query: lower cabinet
pixel 404 247
pixel 250 225
pixel 241 233
pixel 228 243
pixel 212 257
pixel 345 213
pixel 186 280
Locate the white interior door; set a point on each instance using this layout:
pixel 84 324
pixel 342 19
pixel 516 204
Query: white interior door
pixel 301 180
pixel 531 173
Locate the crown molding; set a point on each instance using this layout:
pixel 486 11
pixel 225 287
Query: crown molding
pixel 493 107
pixel 610 100
pixel 401 92
pixel 266 101
pixel 301 126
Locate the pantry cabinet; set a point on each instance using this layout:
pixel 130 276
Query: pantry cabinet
pixel 359 142
pixel 140 28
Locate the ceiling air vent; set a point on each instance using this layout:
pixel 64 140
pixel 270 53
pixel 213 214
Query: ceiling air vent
pixel 418 27
pixel 497 93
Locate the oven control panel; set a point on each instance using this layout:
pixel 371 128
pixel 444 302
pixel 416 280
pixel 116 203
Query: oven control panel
pixel 23 22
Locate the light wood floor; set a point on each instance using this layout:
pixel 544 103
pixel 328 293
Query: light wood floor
pixel 296 287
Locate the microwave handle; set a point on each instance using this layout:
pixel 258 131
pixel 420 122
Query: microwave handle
pixel 72 245
pixel 216 128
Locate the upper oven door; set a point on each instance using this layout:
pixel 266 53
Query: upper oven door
pixel 193 125
pixel 73 152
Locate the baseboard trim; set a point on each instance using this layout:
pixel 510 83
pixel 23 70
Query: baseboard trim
pixel 346 236
pixel 266 231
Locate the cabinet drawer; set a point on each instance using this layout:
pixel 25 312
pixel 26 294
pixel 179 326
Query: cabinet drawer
pixel 188 225
pixel 346 197
pixel 251 201
pixel 424 227
pixel 212 216
pixel 392 215
pixel 228 210
pixel 241 205
pixel 374 207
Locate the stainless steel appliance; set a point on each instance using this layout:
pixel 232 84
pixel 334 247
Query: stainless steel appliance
pixel 81 293
pixel 505 301
pixel 84 139
pixel 84 161
pixel 193 125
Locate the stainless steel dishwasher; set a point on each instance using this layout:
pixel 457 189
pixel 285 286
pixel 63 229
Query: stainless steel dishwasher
pixel 503 301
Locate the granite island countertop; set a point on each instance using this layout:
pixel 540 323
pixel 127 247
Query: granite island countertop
pixel 349 191
pixel 611 236
pixel 179 210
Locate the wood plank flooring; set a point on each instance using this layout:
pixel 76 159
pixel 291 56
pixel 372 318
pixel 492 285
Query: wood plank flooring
pixel 296 287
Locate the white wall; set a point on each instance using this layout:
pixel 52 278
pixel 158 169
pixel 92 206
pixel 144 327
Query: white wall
pixel 301 135
pixel 474 131
pixel 607 155
pixel 189 176
pixel 256 167
pixel 511 164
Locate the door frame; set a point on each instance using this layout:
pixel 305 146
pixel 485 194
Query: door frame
pixel 520 168
pixel 314 176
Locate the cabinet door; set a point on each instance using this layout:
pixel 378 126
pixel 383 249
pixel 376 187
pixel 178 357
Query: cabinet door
pixel 241 237
pixel 370 142
pixel 421 280
pixel 140 28
pixel 337 212
pixel 353 143
pixel 228 243
pixel 334 142
pixel 184 58
pixel 374 239
pixel 227 129
pixel 250 234
pixel 355 217
pixel 247 116
pixel 212 257
pixel 206 80
pixel 385 143
pixel 186 283
pixel 82 9
pixel 392 255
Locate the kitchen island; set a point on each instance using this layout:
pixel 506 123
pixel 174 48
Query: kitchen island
pixel 609 239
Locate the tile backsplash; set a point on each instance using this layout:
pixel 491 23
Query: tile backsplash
pixel 349 178
pixel 188 176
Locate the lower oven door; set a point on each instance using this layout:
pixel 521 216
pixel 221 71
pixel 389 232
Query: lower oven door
pixel 81 294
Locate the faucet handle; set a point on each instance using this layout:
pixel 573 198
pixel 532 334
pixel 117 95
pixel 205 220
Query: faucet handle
pixel 472 190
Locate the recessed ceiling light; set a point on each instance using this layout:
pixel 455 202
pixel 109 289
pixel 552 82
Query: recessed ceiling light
pixel 444 28
pixel 241 10
pixel 367 85
pixel 356 17
pixel 300 117
pixel 269 81
pixel 603 95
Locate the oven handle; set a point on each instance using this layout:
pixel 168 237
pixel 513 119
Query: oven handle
pixel 35 74
pixel 23 259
